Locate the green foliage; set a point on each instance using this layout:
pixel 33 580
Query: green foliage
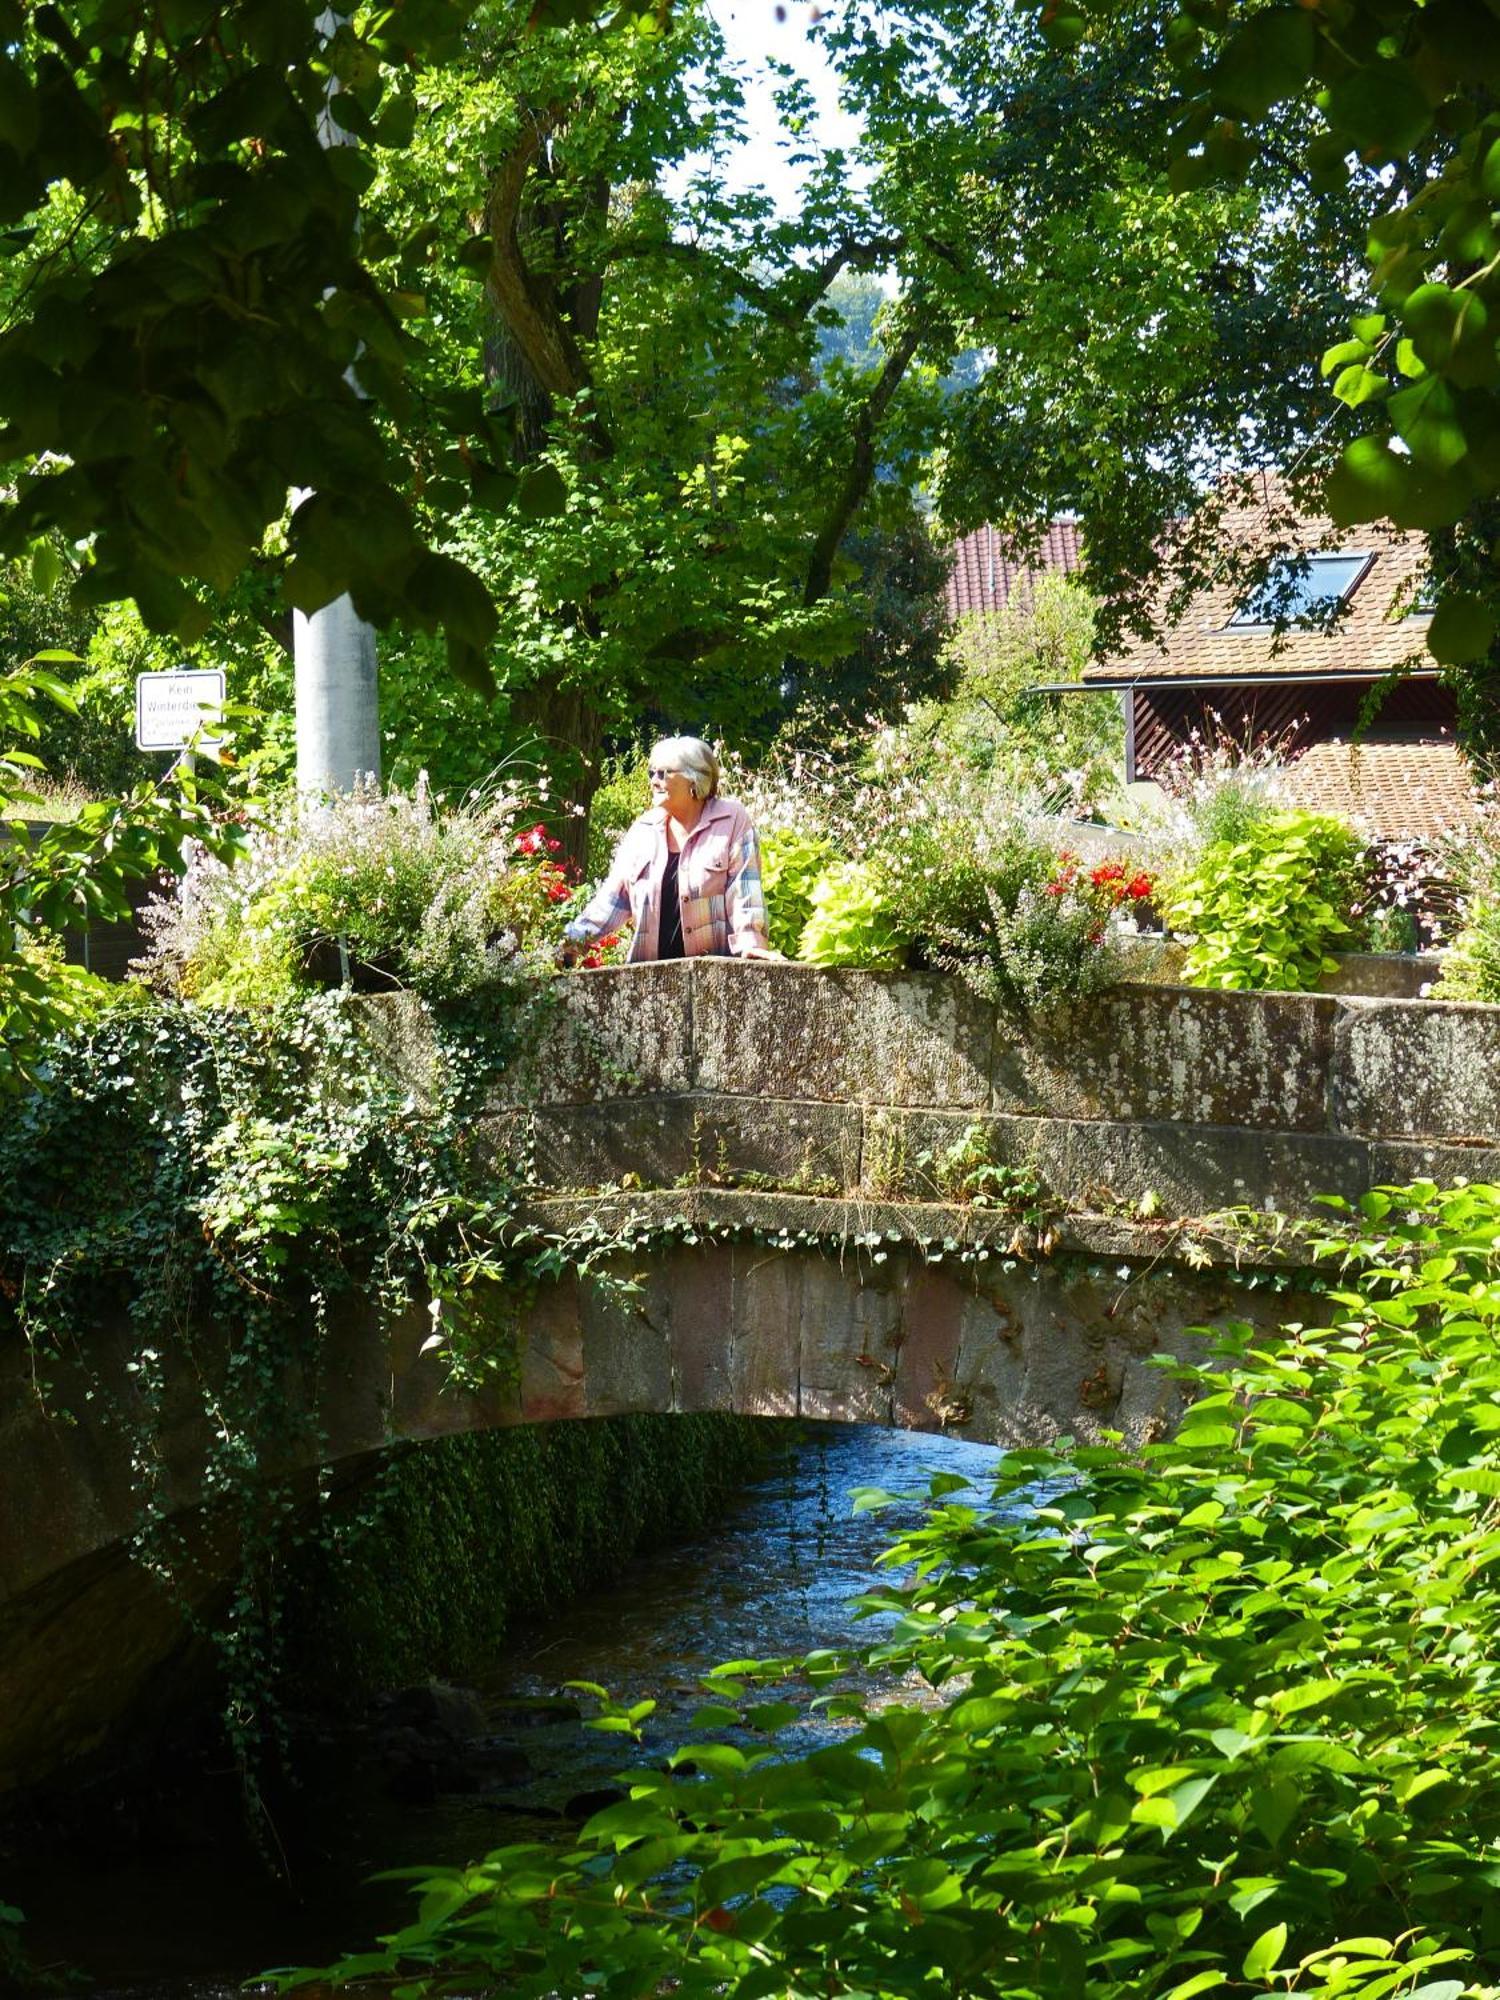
pixel 469 1536
pixel 851 921
pixel 1213 1713
pixel 439 901
pixel 1262 910
pixel 1062 750
pixel 71 872
pixel 1471 970
pixel 967 1172
pixel 623 795
pixel 222 1185
pixel 1408 89
pixel 1023 925
pixel 792 864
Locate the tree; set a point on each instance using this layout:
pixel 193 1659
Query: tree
pixel 1135 332
pixel 1400 98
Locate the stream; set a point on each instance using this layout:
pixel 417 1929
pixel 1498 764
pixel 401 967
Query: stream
pixel 192 1919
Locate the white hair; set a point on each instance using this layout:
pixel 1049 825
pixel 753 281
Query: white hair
pixel 694 758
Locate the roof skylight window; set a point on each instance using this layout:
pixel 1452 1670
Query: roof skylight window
pixel 1303 592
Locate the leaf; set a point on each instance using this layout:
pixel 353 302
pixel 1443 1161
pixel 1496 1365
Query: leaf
pixel 542 494
pixel 1274 1804
pixel 1382 107
pixel 1262 1956
pixel 1463 628
pixel 1269 59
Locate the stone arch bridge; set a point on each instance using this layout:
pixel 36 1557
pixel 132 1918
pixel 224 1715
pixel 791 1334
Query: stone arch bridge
pixel 783 1148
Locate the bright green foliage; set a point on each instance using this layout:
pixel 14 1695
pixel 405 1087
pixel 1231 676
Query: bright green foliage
pixel 1263 909
pixel 71 872
pixel 624 794
pixel 792 864
pixel 1407 88
pixel 851 920
pixel 1041 932
pixel 384 884
pixel 1064 750
pixel 1217 1713
pixel 1471 970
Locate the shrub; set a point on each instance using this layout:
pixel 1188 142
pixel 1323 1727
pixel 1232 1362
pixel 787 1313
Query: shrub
pixel 791 864
pixel 1046 929
pixel 1262 910
pixel 380 881
pixel 1471 970
pixel 624 793
pixel 852 922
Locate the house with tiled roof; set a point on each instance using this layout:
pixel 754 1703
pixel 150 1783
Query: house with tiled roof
pixel 988 572
pixel 1295 661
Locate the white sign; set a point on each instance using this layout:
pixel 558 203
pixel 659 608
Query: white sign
pixel 170 708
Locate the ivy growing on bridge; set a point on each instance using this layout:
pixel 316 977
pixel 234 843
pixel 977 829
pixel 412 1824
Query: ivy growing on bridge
pixel 222 1185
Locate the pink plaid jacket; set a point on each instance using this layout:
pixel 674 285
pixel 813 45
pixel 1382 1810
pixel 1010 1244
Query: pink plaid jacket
pixel 718 881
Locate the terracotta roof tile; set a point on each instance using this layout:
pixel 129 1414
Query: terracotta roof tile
pixel 1397 791
pixel 986 572
pixel 1366 639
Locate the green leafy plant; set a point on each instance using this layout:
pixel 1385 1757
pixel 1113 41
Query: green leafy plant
pixel 220 1183
pixel 1262 909
pixel 74 871
pixel 851 922
pixel 792 863
pixel 966 1171
pixel 1047 929
pixel 382 887
pixel 1471 970
pixel 1216 1713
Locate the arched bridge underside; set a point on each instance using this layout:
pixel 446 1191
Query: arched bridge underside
pixel 763 1145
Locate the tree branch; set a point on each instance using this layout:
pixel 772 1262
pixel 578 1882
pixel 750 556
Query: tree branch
pixel 861 472
pixel 525 303
pixel 781 300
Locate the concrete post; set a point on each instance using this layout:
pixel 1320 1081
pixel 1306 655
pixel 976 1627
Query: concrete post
pixel 336 678
pixel 338 698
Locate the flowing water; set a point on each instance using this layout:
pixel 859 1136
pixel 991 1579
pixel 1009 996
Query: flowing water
pixel 190 1919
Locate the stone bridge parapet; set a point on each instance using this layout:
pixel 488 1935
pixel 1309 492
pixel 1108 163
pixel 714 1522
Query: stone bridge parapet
pixel 717 1072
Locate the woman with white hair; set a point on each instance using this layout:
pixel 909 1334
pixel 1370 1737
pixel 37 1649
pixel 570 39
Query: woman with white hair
pixel 686 876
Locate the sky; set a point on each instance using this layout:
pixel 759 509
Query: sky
pixel 755 30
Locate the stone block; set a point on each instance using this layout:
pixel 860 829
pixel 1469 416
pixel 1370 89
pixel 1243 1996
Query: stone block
pixel 1197 1058
pixel 698 1140
pixel 693 1294
pixel 934 1304
pixel 627 1355
pixel 765 1332
pixel 799 1031
pixel 1396 1162
pixel 1097 1163
pixel 552 1371
pixel 1418 1070
pixel 618 1033
pixel 851 1337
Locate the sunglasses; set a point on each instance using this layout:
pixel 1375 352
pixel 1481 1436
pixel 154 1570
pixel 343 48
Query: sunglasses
pixel 653 772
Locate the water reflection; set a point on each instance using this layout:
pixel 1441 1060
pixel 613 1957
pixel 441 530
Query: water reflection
pixel 774 1578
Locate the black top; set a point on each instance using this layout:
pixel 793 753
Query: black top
pixel 669 939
